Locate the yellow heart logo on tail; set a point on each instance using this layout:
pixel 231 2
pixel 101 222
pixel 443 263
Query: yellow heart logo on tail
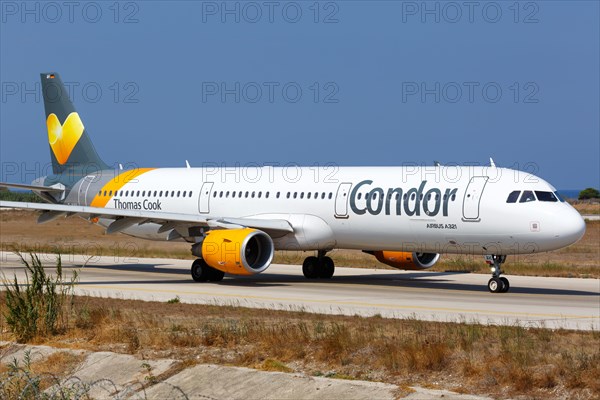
pixel 64 137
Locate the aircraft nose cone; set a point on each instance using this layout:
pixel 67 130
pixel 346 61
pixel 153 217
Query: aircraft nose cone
pixel 572 227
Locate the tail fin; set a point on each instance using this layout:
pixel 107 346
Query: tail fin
pixel 70 146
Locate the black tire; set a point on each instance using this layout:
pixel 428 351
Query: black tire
pixel 200 271
pixel 310 267
pixel 506 285
pixel 326 268
pixel 495 285
pixel 215 275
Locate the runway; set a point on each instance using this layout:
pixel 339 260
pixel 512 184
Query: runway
pixel 439 296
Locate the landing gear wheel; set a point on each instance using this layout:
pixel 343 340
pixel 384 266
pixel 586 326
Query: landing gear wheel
pixel 215 275
pixel 200 271
pixel 506 285
pixel 495 285
pixel 310 267
pixel 327 268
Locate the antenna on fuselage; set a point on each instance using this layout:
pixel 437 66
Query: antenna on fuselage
pixel 187 164
pixel 492 163
pixel 436 164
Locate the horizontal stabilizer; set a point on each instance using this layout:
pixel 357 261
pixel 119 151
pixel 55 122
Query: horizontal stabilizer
pixel 37 188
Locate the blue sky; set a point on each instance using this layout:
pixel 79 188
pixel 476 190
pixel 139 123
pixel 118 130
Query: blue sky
pixel 346 82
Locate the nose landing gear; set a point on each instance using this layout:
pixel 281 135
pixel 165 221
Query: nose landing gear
pixel 497 284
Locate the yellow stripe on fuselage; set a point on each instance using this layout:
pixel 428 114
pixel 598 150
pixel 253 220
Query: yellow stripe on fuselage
pixel 116 184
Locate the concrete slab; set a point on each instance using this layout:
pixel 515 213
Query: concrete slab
pixel 220 382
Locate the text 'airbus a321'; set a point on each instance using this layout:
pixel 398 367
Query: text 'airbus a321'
pixel 404 216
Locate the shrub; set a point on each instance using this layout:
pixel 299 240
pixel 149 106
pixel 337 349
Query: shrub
pixel 589 193
pixel 39 306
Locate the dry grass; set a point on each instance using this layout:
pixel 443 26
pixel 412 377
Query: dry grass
pixel 587 207
pixel 18 230
pixel 501 361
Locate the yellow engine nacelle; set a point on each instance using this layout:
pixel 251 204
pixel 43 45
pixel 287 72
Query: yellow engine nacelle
pixel 238 251
pixel 405 260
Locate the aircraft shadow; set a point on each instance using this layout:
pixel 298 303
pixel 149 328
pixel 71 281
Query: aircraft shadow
pixel 423 280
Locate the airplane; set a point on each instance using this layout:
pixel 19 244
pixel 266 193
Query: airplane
pixel 235 218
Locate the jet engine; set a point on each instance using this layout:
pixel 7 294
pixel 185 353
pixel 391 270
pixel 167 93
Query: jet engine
pixel 237 251
pixel 405 260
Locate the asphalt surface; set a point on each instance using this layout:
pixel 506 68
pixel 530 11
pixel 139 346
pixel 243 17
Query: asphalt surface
pixel 440 296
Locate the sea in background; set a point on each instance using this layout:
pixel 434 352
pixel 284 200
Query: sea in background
pixel 569 194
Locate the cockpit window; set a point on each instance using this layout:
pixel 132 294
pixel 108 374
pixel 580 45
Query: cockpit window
pixel 513 196
pixel 527 196
pixel 545 196
pixel 559 197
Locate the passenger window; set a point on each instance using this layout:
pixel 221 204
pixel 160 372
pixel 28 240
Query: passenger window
pixel 322 195
pixel 330 195
pixel 105 193
pixel 155 193
pixel 295 194
pixel 127 193
pixel 138 193
pixel 513 196
pixel 253 193
pixel 278 193
pixel 233 195
pixel 167 193
pixel 545 196
pixel 527 197
pixel 110 193
pixel 302 195
pixel 288 195
pixel 160 194
pixel 359 195
pixel 178 193
pixel 247 193
pixel 267 195
pixel 172 193
pixel 308 195
pixel 259 195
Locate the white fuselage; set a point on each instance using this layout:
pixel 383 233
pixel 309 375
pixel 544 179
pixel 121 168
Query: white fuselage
pixel 425 209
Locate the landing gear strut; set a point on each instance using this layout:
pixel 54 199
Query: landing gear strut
pixel 202 272
pixel 497 284
pixel 318 267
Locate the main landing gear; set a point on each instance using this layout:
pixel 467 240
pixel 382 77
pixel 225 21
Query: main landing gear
pixel 202 272
pixel 318 267
pixel 497 284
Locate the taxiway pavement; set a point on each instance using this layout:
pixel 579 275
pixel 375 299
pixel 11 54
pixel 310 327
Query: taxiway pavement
pixel 439 296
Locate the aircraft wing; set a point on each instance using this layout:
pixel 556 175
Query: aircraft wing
pixel 127 218
pixel 37 188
